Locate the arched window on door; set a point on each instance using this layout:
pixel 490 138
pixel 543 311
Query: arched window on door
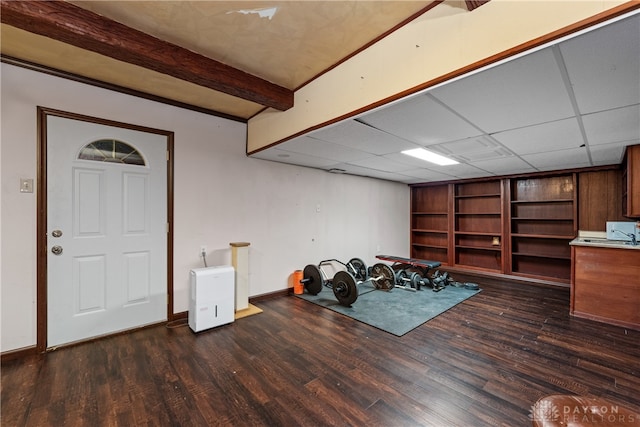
pixel 111 151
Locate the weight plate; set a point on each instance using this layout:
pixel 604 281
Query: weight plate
pixel 344 288
pixel 384 275
pixel 415 281
pixel 357 267
pixel 314 285
pixel 400 276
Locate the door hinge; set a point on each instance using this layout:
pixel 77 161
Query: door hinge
pixel 168 155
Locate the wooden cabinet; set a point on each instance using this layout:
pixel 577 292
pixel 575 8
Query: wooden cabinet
pixel 478 225
pixel 631 182
pixel 542 223
pixel 430 222
pixel 606 285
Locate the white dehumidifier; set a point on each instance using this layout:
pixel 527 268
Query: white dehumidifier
pixel 212 301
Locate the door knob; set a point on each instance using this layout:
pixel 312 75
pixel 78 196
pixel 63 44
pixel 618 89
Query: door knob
pixel 56 233
pixel 56 250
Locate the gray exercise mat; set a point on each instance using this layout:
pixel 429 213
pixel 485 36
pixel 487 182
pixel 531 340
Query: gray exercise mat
pixel 398 311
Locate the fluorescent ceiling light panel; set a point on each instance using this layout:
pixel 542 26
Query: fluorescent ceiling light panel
pixel 429 156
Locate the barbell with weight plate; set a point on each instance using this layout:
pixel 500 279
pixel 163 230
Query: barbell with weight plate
pixel 345 287
pixel 344 283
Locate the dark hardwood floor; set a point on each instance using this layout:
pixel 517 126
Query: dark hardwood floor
pixel 484 362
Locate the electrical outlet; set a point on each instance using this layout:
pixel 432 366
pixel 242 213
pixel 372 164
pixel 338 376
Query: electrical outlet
pixel 203 250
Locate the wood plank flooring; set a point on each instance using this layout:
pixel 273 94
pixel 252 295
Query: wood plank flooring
pixel 484 362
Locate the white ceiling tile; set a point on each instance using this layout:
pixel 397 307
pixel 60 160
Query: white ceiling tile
pixel 362 137
pixel 421 120
pixel 373 173
pixel 604 66
pixel 552 136
pixel 379 163
pixel 327 150
pixel 621 124
pixel 472 149
pixel 563 159
pixel 522 92
pixel 609 154
pixel 511 165
pixel 462 171
pixel 428 175
pixel 289 157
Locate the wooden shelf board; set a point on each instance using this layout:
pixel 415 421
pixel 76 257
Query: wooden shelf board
pixel 430 213
pixel 422 245
pixel 477 268
pixel 480 248
pixel 521 218
pixel 542 201
pixel 532 255
pixel 470 196
pixel 544 236
pixel 479 213
pixel 477 233
pixel 423 230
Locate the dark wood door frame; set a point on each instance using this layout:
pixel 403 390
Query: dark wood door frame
pixel 41 228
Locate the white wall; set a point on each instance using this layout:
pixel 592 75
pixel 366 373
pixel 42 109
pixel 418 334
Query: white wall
pixel 221 196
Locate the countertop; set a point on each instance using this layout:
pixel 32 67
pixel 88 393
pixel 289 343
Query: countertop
pixel 603 243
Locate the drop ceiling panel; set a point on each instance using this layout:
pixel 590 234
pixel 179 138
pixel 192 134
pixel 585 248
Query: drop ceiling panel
pixel 426 175
pixel 552 136
pixel 562 159
pixel 526 91
pixel 373 173
pixel 621 124
pixel 603 66
pixel 462 171
pixel 608 154
pixel 511 165
pixel 290 157
pixel 421 120
pixel 359 136
pixel 379 163
pixel 472 149
pixel 326 150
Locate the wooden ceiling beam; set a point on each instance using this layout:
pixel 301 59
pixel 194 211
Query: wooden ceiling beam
pixel 73 25
pixel 473 4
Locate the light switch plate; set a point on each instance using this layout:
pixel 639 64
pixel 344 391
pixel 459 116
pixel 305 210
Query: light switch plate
pixel 26 185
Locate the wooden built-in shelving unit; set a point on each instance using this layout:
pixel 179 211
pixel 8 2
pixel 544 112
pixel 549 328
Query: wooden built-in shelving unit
pixel 478 225
pixel 430 223
pixel 516 226
pixel 543 213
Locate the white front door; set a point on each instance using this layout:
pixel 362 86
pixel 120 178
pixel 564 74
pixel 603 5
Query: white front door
pixel 106 229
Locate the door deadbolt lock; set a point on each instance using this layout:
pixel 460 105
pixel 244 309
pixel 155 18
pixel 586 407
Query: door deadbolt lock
pixel 56 250
pixel 56 233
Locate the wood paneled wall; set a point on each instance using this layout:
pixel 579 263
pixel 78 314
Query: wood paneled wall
pixel 599 199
